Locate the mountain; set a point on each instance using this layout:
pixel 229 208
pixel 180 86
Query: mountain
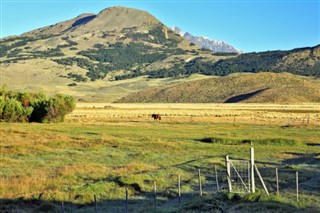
pixel 206 43
pixel 117 41
pixel 247 88
pixel 89 57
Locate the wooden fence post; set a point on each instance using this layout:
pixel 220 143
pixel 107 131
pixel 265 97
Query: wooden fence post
pixel 127 200
pixel 179 190
pixel 62 207
pixel 217 182
pixel 200 185
pixel 95 204
pixel 228 174
pixel 297 185
pixel 253 186
pixel 277 181
pixel 155 195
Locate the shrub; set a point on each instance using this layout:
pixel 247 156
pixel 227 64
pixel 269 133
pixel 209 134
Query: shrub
pixel 53 109
pixel 2 103
pixel 23 107
pixel 13 111
pixel 57 107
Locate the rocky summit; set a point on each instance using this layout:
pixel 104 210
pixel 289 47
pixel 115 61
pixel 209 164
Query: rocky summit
pixel 207 43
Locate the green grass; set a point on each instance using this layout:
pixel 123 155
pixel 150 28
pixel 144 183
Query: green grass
pixel 72 161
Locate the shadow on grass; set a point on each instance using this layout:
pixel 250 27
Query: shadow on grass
pixel 167 201
pixel 222 202
pixel 243 97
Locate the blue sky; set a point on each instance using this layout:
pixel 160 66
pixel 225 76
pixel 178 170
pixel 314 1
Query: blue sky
pixel 247 25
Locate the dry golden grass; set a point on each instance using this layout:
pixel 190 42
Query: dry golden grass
pixel 239 113
pixel 263 87
pixel 101 148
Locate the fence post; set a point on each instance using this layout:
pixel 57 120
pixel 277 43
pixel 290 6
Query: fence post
pixel 95 204
pixel 228 174
pixel 179 190
pixel 62 207
pixel 155 195
pixel 200 185
pixel 277 181
pixel 253 186
pixel 127 200
pixel 297 186
pixel 217 183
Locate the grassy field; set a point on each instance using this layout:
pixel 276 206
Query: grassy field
pixel 102 148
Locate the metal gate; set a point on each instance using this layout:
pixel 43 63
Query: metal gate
pixel 238 175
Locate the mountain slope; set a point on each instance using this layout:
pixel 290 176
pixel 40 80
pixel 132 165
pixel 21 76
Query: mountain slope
pixel 85 55
pixel 117 41
pixel 249 88
pixel 206 43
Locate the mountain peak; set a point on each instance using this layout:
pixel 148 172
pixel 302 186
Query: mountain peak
pixel 206 42
pixel 110 19
pixel 118 17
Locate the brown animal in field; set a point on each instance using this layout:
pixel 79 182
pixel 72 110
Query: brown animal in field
pixel 156 117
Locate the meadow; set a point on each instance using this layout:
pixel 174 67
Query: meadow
pixel 103 148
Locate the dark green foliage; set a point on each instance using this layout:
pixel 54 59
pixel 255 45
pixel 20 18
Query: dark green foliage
pixel 95 71
pixel 250 62
pixel 53 52
pixel 13 111
pixel 225 54
pixel 24 107
pixel 48 53
pixel 155 35
pixel 51 109
pixel 69 43
pixel 72 84
pixel 21 41
pixel 120 56
pixel 123 56
pixel 77 77
pixel 57 107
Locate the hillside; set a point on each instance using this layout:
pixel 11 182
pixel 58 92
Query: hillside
pixel 117 41
pixel 89 57
pixel 247 88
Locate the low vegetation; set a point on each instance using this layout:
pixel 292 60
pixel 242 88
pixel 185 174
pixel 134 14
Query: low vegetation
pixel 270 61
pixel 101 150
pixel 34 107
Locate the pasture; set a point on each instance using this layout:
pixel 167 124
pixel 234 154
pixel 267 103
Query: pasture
pixel 102 148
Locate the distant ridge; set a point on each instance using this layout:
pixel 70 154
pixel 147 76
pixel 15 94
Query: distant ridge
pixel 247 88
pixel 207 43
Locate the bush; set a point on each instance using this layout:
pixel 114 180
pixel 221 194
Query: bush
pixel 13 111
pixel 24 107
pixel 57 107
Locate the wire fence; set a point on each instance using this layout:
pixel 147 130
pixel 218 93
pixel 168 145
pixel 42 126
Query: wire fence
pixel 280 180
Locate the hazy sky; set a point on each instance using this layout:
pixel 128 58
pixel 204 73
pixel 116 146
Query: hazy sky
pixel 247 25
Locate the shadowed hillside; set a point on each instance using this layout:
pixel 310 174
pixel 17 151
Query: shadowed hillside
pixel 250 88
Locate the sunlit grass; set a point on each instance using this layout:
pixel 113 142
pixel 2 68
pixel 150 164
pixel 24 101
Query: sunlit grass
pixel 74 160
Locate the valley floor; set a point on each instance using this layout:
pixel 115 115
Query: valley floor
pixel 103 148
